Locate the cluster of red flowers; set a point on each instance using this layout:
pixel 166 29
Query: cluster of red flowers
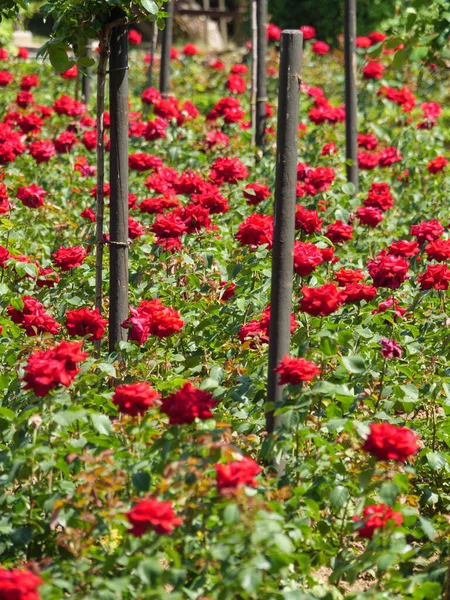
pixel 152 318
pixel 33 318
pixel 46 369
pixel 19 584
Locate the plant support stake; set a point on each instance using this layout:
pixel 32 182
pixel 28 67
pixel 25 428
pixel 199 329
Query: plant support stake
pixel 254 54
pixel 284 216
pixel 351 97
pixel 261 72
pixel 118 98
pixel 164 74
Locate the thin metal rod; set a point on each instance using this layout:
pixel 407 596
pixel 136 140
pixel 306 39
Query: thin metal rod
pixel 118 99
pixel 164 74
pixel 261 77
pixel 86 77
pixel 284 213
pixel 351 97
pixel 152 54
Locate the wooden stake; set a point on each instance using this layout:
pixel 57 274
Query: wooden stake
pixel 118 98
pixel 164 74
pixel 284 216
pixel 351 97
pixel 261 78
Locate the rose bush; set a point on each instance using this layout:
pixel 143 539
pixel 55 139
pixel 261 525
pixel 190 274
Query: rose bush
pixel 147 473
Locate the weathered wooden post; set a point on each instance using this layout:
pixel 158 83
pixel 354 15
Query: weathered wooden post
pixel 164 74
pixel 86 77
pixel 261 72
pixel 152 54
pixel 254 66
pixel 284 215
pixel 118 98
pixel 351 97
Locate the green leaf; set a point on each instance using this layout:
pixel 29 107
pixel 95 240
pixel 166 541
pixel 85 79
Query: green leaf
pixel 400 58
pixel 393 42
pixel 419 53
pixel 428 528
pixel 107 368
pixel 150 6
pixel 6 413
pixel 348 188
pixel 354 363
pixel 231 514
pixel 436 460
pixel 58 58
pixel 141 481
pixel 339 496
pixel 102 424
pixel 148 570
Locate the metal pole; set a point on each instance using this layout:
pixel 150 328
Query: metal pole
pixel 351 97
pixel 118 99
pixel 284 212
pixel 164 74
pixel 261 76
pixel 152 54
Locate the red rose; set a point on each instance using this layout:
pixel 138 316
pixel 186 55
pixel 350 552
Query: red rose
pixel 374 70
pixel 308 32
pixel 369 142
pixel 367 161
pixel 227 290
pixel 363 42
pixel 237 474
pixel 427 231
pixel 31 123
pixel 388 271
pixel 134 37
pixel 71 73
pixel 228 170
pixel 339 232
pixel 190 50
pixel 152 514
pixel 377 36
pixel 236 84
pixel 156 129
pixel 216 138
pixel 370 216
pixel 357 292
pixel 295 370
pixel 321 301
pixel 169 226
pixel 4 200
pixel 65 142
pixel 82 322
pixel 307 257
pixel 23 53
pixel 306 220
pixel 435 277
pixel 390 303
pixel 320 48
pixel 211 198
pixel 438 250
pixel 188 404
pixel 42 151
pixel 346 276
pixel 144 162
pixel 24 99
pixel 150 96
pixel 256 194
pixel 19 584
pixel 88 214
pixel 389 156
pixel 437 164
pixel 376 516
pixel 135 399
pixel 65 105
pixel 256 230
pixel 379 197
pixel 404 248
pixel 153 206
pixel 328 149
pixel 389 442
pixel 273 33
pixel 33 318
pixel 152 318
pixel 69 258
pixel 239 69
pixel 46 369
pixel 31 196
pixel 5 78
